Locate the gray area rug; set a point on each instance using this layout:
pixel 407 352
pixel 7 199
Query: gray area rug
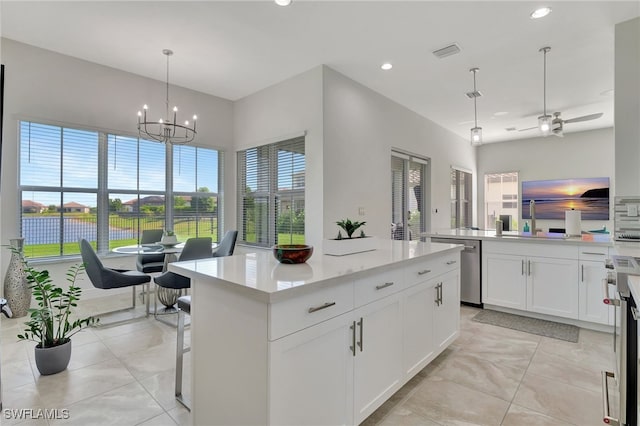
pixel 569 333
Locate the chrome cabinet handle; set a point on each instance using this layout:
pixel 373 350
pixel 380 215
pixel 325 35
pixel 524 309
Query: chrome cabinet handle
pixel 437 301
pixel 353 338
pixel 593 253
pixel 451 262
pixel 440 297
pixel 385 285
pixel 424 271
pixel 605 294
pixel 529 267
pixel 582 273
pixel 522 267
pixel 361 324
pixel 606 412
pixel 319 308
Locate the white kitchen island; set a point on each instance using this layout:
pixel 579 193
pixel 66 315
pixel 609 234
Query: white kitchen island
pixel 326 342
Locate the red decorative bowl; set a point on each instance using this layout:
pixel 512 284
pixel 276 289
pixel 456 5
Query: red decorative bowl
pixel 292 253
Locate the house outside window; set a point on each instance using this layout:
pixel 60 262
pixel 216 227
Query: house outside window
pixel 107 188
pixel 461 203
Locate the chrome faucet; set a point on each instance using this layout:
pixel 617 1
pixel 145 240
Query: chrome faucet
pixel 532 210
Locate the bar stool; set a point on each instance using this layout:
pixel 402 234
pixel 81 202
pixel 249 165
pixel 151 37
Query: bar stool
pixel 184 306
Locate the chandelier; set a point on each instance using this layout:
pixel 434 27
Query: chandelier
pixel 165 130
pixel 545 121
pixel 476 132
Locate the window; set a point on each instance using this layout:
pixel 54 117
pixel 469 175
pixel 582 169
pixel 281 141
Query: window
pixel 501 199
pixel 271 183
pixel 106 188
pixel 461 206
pixel 408 183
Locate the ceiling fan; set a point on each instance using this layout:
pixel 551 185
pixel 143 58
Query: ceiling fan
pixel 557 124
pixel 554 125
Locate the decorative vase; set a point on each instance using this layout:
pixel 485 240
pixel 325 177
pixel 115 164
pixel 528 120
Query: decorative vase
pixel 53 360
pixel 16 288
pixel 167 296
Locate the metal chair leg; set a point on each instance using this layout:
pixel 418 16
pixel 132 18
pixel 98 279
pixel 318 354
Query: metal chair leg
pixel 180 351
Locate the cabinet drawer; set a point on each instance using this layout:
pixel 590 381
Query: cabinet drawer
pixel 306 310
pixel 377 286
pixel 597 253
pixel 551 249
pixel 425 270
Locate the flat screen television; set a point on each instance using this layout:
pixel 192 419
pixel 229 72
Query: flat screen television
pixel 554 197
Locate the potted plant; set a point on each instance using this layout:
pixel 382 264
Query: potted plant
pixel 169 238
pixel 51 325
pixel 350 244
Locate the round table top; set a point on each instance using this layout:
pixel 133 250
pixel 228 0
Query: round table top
pixel 153 248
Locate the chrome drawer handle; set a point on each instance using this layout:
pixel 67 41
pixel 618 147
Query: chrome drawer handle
pixel 605 294
pixel 606 412
pixel 451 262
pixel 424 271
pixel 385 285
pixel 593 253
pixel 319 308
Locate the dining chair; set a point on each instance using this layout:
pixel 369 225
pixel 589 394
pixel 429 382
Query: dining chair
pixel 227 244
pixel 107 278
pixel 194 248
pixel 149 263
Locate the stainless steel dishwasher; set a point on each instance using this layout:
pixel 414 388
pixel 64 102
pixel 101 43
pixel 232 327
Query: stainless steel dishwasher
pixel 470 287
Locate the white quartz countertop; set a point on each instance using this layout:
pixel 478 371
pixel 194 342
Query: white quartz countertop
pixel 525 237
pixel 261 276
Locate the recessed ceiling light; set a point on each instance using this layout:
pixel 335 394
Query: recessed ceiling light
pixel 540 13
pixel 500 113
pixel 283 2
pixel 386 66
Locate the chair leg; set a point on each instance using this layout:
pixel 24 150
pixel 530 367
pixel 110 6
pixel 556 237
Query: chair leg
pixel 180 350
pixel 133 295
pixel 124 321
pixel 147 299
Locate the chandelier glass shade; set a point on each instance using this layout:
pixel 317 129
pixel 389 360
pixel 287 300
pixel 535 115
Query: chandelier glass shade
pixel 476 132
pixel 166 130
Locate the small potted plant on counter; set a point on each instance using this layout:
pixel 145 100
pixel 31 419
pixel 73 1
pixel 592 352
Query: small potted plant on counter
pixel 51 325
pixel 350 244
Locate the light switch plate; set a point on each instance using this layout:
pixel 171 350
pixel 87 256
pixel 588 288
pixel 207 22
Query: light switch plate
pixel 632 210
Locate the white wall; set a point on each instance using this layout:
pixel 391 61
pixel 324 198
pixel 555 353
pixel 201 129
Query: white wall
pixel 44 85
pixel 360 129
pixel 627 107
pixel 576 155
pixel 277 113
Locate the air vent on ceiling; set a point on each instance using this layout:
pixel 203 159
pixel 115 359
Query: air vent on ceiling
pixel 510 129
pixel 474 94
pixel 452 49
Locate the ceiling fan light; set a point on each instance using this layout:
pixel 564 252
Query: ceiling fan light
pixel 283 2
pixel 540 13
pixel 544 124
pixel 476 136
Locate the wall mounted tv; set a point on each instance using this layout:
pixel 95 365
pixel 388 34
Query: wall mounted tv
pixel 554 197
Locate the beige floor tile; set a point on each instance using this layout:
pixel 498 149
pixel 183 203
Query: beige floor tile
pixel 16 372
pixel 505 349
pixel 520 416
pixel 147 363
pixel 155 335
pixel 477 373
pixel 70 386
pixel 557 367
pixel 446 402
pixel 104 331
pixel 162 420
pixel 181 415
pixel 597 356
pixel 404 417
pixel 20 398
pixel 126 405
pixel 162 388
pixel 559 400
pixel 88 354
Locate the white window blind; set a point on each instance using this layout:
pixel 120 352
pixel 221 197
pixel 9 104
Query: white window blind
pixel 408 185
pixel 271 186
pixel 461 203
pixel 107 188
pixel 501 199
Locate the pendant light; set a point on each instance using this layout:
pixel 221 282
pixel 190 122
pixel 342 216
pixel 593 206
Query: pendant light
pixel 476 132
pixel 545 120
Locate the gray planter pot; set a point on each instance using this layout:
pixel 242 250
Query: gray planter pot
pixel 53 360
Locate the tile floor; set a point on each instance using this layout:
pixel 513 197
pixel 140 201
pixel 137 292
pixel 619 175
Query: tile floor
pixel 123 375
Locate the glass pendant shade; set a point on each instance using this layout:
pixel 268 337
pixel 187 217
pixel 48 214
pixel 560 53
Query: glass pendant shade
pixel 544 125
pixel 476 136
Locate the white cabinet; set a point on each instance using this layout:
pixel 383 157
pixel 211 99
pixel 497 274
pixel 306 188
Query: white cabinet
pixel 447 310
pixel 312 375
pixel 378 354
pixel 547 278
pixel 419 305
pixel 552 286
pixel 505 280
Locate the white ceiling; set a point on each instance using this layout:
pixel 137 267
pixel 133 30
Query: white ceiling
pixel 235 48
